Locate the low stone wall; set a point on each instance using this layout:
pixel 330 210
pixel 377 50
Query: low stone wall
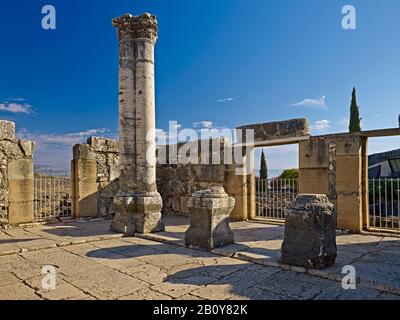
pixel 176 182
pixel 95 172
pixel 16 177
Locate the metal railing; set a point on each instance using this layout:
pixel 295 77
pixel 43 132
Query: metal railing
pixel 273 197
pixel 52 197
pixel 384 204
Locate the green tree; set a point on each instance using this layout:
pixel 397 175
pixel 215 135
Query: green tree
pixel 290 174
pixel 354 125
pixel 263 167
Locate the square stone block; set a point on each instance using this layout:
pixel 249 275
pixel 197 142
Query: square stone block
pixel 349 212
pixel 314 153
pixel 310 233
pixel 348 174
pixel 21 169
pixel 209 212
pixel 20 190
pixel 20 212
pixel 7 130
pixel 28 147
pixel 348 144
pixel 313 180
pixel 139 213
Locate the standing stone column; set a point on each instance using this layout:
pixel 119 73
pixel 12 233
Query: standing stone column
pixel 137 204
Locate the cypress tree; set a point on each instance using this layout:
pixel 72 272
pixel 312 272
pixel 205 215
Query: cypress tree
pixel 263 166
pixel 354 125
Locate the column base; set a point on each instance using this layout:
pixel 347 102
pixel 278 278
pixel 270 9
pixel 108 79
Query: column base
pixel 139 213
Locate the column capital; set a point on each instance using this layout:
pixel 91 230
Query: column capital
pixel 123 22
pixel 146 26
pixel 124 25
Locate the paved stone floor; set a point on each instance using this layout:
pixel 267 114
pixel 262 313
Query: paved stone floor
pixel 93 263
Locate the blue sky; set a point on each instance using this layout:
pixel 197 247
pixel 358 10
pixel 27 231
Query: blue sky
pixel 227 62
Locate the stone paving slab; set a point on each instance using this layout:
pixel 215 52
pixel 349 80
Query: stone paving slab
pixel 41 236
pixel 129 268
pixel 260 243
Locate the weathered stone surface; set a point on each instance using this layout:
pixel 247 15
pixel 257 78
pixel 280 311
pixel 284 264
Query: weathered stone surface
pixel 103 144
pixel 296 285
pixel 294 128
pixel 310 233
pixel 84 188
pixel 94 196
pixel 83 151
pixel 16 176
pixel 7 130
pixel 333 165
pixel 27 147
pixel 209 219
pixel 140 213
pixel 131 267
pixel 11 149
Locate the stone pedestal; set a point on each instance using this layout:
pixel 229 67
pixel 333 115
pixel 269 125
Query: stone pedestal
pixel 310 233
pixel 137 204
pixel 209 212
pixel 138 213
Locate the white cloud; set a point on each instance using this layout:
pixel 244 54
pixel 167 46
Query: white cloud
pixel 15 107
pixel 203 124
pixel 321 125
pixel 318 103
pixel 55 150
pixel 52 140
pixel 16 99
pixel 225 100
pixel 177 126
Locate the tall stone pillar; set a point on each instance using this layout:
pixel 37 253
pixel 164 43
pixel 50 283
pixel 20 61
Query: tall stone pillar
pixel 137 204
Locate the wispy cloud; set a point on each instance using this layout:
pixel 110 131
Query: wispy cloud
pixel 15 107
pixel 203 124
pixel 317 103
pixel 45 140
pixel 55 149
pixel 222 100
pixel 16 99
pixel 321 125
pixel 176 126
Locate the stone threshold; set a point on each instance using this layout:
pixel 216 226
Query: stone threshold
pixel 267 221
pixel 58 244
pixel 382 233
pixel 53 221
pixel 261 260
